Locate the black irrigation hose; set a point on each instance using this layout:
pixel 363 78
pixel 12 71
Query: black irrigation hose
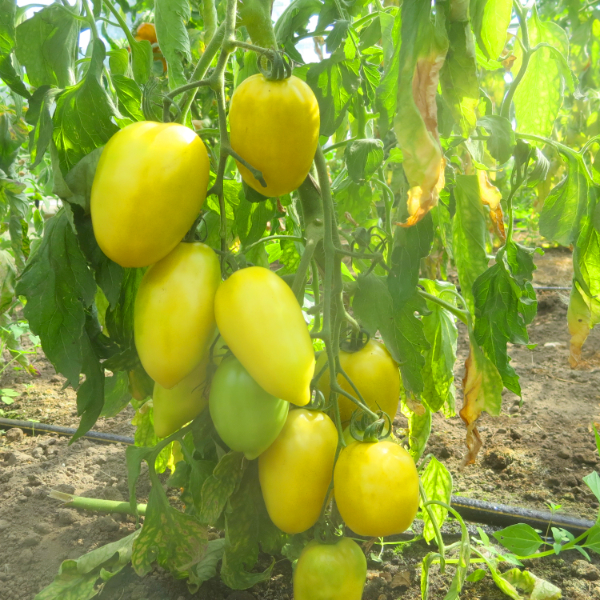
pixel 503 515
pixel 34 427
pixel 477 511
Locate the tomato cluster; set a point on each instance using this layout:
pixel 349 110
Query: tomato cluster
pixel 149 187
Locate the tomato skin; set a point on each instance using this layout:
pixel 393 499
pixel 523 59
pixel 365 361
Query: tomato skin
pixel 247 418
pixel 182 403
pixel 375 374
pixel 296 470
pixel 149 186
pixel 146 31
pixel 262 323
pixel 275 127
pixel 174 320
pixel 376 488
pixel 330 571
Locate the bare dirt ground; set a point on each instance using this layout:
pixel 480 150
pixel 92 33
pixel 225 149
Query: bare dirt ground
pixel 536 452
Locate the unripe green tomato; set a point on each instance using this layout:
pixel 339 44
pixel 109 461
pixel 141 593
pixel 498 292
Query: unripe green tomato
pixel 376 488
pixel 330 571
pixel 374 373
pixel 247 418
pixel 174 317
pixel 149 186
pixel 274 127
pixel 295 472
pixel 262 323
pixel 181 404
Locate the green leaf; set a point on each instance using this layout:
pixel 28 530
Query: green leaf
pixel 242 526
pixel 142 59
pixel 539 96
pixel 83 116
pixel 116 394
pixel 220 486
pixel 469 235
pixel 411 244
pixel 593 482
pixel 171 17
pixel 419 425
pixel 13 133
pixel 520 539
pixel 207 567
pixel 130 97
pixel 386 97
pixel 363 158
pixel 47 46
pixel 9 75
pixel 458 78
pixel 337 35
pixel 501 140
pixel 174 540
pixel 477 575
pixel 76 579
pixel 118 61
pixel 294 19
pixel 78 181
pixel 505 304
pixel 564 206
pixel 41 106
pixel 334 81
pixel 437 483
pixel 491 19
pixel 441 334
pixel 59 287
pixel 401 330
pixel 592 541
pixel 537 588
pixel 8 13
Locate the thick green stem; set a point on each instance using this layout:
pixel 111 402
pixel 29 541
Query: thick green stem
pixel 200 71
pixel 300 278
pixel 209 16
pixel 457 312
pixel 121 21
pixel 91 19
pixel 97 504
pixel 436 528
pixel 255 15
pixel 522 16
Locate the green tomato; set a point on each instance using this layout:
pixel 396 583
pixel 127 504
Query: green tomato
pixel 247 418
pixel 330 571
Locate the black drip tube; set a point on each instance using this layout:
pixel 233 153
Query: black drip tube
pixel 476 511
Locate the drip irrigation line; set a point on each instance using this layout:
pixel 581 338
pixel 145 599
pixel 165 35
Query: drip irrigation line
pixel 551 287
pixel 476 511
pixel 34 427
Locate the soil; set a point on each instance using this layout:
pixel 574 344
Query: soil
pixel 535 453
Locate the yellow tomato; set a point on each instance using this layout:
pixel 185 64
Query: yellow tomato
pixel 274 127
pixel 296 470
pixel 174 318
pixel 375 374
pixel 181 404
pixel 376 488
pixel 148 189
pixel 330 571
pixel 262 323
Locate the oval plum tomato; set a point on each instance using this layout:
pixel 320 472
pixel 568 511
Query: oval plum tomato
pixel 181 404
pixel 274 127
pixel 295 472
pixel 376 488
pixel 174 318
pixel 375 374
pixel 247 418
pixel 330 571
pixel 148 189
pixel 262 323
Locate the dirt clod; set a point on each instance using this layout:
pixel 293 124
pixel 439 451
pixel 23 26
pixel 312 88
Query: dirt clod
pixel 582 568
pixel 14 435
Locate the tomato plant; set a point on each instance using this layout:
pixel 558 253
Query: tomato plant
pixel 302 197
